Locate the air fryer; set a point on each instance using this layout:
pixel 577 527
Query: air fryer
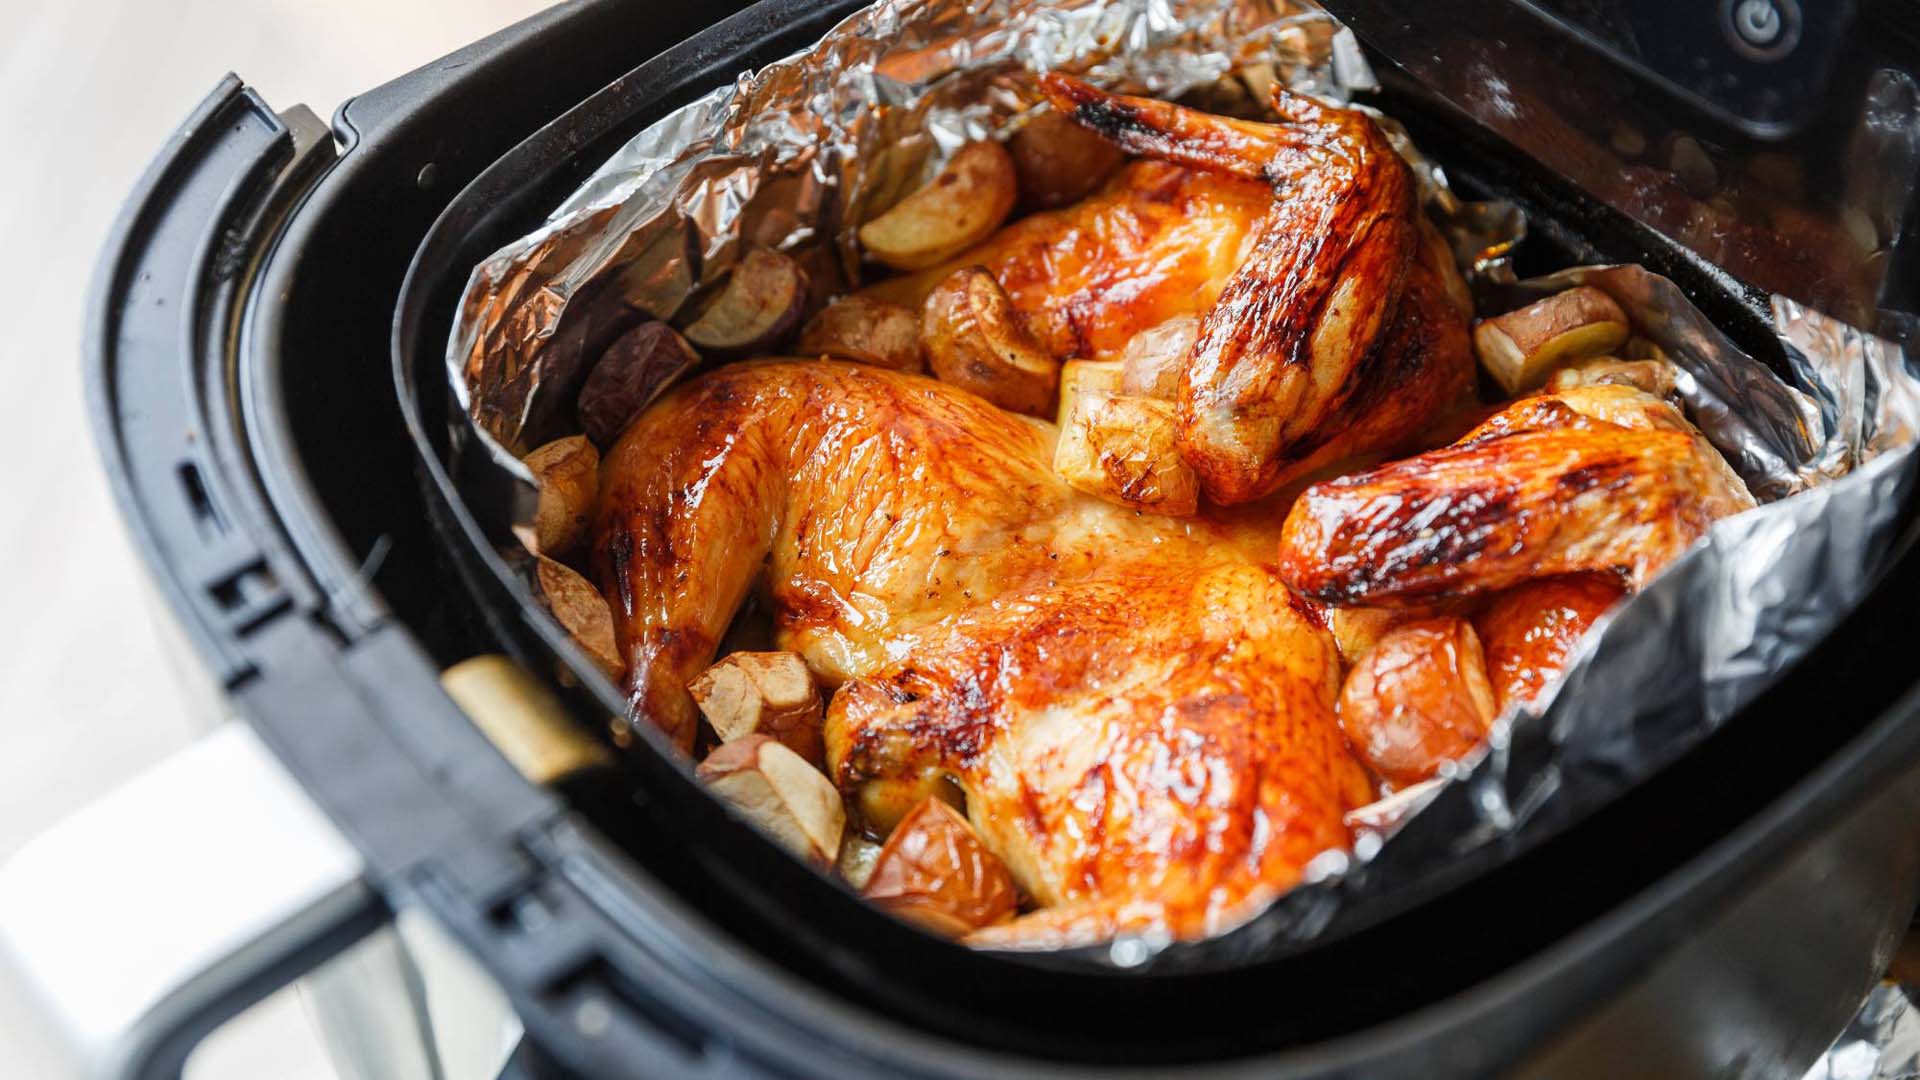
pixel 264 368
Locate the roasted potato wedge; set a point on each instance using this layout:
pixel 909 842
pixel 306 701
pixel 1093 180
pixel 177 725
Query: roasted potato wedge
pixel 1058 161
pixel 567 474
pixel 975 340
pixel 1417 699
pixel 756 309
pixel 762 693
pixel 634 370
pixel 1155 359
pixel 867 330
pixel 1078 377
pixel 857 856
pixel 956 210
pixel 579 607
pixel 883 804
pixel 1122 449
pixel 935 873
pixel 1521 348
pixel 786 798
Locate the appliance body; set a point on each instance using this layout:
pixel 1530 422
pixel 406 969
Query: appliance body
pixel 274 465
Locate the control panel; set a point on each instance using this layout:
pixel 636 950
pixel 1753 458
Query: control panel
pixel 1762 65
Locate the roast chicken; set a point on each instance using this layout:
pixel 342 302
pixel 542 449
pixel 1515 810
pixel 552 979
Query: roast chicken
pixel 1139 713
pixel 1333 318
pixel 1553 508
pixel 1145 714
pixel 1599 478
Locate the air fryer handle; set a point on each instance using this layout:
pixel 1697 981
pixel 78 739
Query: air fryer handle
pixel 138 925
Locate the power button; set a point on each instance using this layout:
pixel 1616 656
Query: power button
pixel 1761 29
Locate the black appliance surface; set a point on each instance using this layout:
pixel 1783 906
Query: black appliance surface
pixel 269 472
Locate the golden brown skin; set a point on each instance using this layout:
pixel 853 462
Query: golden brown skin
pixel 1418 698
pixel 859 501
pixel 1286 345
pixel 1150 745
pixel 1530 631
pixel 1542 488
pixel 1155 242
pixel 1140 718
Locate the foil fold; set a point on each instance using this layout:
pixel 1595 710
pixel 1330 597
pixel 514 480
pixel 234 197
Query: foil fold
pixel 1882 1042
pixel 1822 425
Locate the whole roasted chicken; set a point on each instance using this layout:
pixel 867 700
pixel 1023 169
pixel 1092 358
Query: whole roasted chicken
pixel 1151 719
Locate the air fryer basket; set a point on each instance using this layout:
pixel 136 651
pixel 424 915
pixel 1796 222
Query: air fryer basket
pixel 241 395
pixel 1027 1003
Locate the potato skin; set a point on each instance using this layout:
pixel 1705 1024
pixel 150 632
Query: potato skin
pixel 1418 698
pixel 567 475
pixel 955 210
pixel 1531 630
pixel 628 376
pixel 935 873
pixel 1520 349
pixel 1058 161
pixel 975 340
pixel 756 310
pixel 867 330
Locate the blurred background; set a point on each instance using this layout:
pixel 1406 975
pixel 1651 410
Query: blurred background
pixel 90 686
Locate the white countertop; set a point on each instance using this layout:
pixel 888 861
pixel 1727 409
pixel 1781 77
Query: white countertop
pixel 91 89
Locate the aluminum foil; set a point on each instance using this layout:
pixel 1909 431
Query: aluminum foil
pixel 1881 1043
pixel 797 155
pixel 1821 425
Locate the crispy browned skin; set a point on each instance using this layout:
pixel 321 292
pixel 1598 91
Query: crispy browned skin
pixel 1418 698
pixel 1141 720
pixel 1287 344
pixel 1155 242
pixel 1530 630
pixel 1150 744
pixel 1513 501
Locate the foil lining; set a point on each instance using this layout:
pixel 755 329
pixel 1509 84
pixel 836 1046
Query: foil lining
pixel 798 155
pixel 1822 424
pixel 1882 1042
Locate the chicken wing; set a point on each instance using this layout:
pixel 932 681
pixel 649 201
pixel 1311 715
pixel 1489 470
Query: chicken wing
pixel 1141 719
pixel 1286 347
pixel 1605 478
